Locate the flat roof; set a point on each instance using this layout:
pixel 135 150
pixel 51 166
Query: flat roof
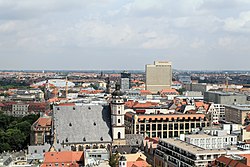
pixel 244 107
pixel 192 148
pixel 195 136
pixel 226 93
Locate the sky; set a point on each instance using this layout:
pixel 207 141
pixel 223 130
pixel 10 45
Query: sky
pixel 124 34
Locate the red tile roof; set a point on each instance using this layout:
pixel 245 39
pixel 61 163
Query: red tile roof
pixel 144 105
pixel 91 91
pixel 165 116
pixel 247 156
pixel 228 162
pixel 67 157
pixel 138 163
pixel 247 128
pixel 154 140
pixel 199 104
pixel 66 104
pixel 132 104
pixel 169 92
pixel 145 92
pixel 43 122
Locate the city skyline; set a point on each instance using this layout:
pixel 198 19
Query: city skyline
pixel 124 35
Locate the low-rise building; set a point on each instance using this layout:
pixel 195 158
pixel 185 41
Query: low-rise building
pixel 64 158
pixel 206 141
pixel 217 112
pixel 228 98
pixel 169 93
pixel 164 125
pixel 174 153
pixel 41 131
pixel 229 162
pixel 238 114
pixel 133 160
pixel 20 109
pixel 245 133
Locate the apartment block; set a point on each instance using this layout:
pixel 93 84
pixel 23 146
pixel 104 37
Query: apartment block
pixel 174 153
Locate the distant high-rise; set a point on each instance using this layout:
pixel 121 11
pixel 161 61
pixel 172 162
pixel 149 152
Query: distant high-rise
pixel 125 81
pixel 158 76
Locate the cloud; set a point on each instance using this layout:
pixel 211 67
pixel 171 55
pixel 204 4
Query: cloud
pixel 240 24
pixel 126 29
pixel 160 42
pixel 197 43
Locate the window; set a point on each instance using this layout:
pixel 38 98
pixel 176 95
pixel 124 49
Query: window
pixel 119 135
pixel 159 126
pixel 119 121
pixel 153 126
pixel 119 112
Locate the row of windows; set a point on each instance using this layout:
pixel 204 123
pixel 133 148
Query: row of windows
pixel 174 126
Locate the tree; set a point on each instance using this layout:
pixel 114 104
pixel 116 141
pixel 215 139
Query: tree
pixel 15 138
pixel 4 147
pixel 15 131
pixel 181 90
pixel 94 86
pixel 113 160
pixel 24 127
pixel 4 121
pixel 30 118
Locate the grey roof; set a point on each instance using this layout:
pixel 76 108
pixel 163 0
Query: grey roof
pixel 134 139
pixel 243 107
pixel 125 149
pixel 38 149
pixel 82 124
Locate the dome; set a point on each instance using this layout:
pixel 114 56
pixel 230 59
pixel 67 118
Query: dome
pixel 117 91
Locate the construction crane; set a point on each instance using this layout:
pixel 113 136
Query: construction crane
pixel 226 82
pixel 66 87
pixel 227 79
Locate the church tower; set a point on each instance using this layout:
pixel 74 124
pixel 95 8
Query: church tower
pixel 117 114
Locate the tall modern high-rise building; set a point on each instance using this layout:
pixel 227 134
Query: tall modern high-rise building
pixel 125 80
pixel 158 76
